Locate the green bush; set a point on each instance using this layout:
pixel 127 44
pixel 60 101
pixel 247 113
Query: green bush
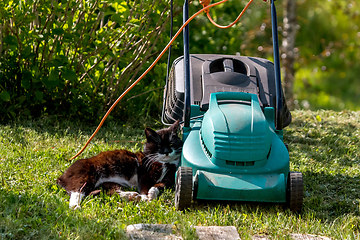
pixel 73 58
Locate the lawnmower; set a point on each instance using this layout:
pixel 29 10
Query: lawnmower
pixel 233 112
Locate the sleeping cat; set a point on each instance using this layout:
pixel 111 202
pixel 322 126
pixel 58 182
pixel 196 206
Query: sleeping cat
pixel 148 171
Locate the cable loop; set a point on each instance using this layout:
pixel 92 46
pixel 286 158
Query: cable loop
pixel 230 25
pixel 205 3
pixel 206 7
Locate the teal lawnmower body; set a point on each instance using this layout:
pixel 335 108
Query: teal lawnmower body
pixel 235 152
pixel 234 113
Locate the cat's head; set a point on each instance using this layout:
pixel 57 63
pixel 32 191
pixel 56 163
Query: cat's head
pixel 163 145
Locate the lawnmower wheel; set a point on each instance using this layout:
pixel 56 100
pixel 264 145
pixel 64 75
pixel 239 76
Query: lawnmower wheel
pixel 183 188
pixel 295 191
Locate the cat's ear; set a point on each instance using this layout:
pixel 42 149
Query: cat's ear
pixel 152 136
pixel 174 128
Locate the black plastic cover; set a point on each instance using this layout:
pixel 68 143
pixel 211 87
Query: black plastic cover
pixel 220 73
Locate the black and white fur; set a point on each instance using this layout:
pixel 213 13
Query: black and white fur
pixel 149 171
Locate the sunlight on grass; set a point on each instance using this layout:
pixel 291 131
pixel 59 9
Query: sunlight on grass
pixel 323 146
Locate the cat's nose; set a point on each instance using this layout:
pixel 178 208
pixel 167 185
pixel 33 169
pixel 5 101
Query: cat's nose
pixel 167 151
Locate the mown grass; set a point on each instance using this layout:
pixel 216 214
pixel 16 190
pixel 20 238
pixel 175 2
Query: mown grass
pixel 324 146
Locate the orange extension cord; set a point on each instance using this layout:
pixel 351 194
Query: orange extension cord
pixel 206 6
pixel 205 3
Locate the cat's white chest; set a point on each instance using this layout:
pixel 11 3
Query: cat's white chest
pixel 163 173
pixel 130 183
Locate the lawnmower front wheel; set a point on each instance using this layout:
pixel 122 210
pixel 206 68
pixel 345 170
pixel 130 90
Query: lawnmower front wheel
pixel 295 191
pixel 183 188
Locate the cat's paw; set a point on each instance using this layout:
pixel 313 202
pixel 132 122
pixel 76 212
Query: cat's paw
pixel 130 196
pixel 75 199
pixel 144 198
pixel 153 193
pixel 75 207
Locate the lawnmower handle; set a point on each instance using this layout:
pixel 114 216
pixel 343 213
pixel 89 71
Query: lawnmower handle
pixel 237 96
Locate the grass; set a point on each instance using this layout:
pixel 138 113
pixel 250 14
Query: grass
pixel 324 146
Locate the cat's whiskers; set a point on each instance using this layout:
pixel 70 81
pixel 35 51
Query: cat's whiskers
pixel 178 150
pixel 151 158
pixel 164 172
pixel 148 164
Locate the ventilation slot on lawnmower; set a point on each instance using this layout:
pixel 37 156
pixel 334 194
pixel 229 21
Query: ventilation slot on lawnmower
pixel 208 153
pixel 240 164
pixel 227 65
pixel 268 155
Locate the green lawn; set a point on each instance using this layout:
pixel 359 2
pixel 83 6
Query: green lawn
pixel 324 146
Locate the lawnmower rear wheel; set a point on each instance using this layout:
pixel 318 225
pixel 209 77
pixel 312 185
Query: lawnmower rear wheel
pixel 183 188
pixel 295 191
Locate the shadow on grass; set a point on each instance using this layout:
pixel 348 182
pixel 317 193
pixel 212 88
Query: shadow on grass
pixel 68 137
pixel 326 197
pixel 25 216
pixel 329 142
pixel 53 126
pixel 330 197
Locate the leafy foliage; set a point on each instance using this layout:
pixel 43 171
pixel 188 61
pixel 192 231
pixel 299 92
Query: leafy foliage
pixel 328 61
pixel 73 57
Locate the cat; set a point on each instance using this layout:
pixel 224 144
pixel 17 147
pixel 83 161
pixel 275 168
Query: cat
pixel 149 171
